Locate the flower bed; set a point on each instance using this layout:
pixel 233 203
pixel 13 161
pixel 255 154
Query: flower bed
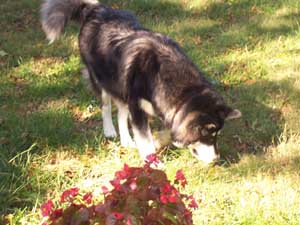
pixel 140 196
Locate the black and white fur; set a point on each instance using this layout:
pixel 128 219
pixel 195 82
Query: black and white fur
pixel 144 73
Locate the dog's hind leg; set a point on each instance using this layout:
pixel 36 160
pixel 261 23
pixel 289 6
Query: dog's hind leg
pixel 141 131
pixel 108 127
pixel 123 113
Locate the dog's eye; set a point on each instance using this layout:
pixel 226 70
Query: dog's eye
pixel 208 130
pixel 204 132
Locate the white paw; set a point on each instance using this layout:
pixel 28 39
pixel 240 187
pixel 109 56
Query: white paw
pixel 128 143
pixel 109 131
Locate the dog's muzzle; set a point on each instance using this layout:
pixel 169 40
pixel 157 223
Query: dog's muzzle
pixel 206 153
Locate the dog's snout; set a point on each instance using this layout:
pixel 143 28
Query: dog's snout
pixel 205 153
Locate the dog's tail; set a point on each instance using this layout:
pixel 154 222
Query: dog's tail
pixel 56 13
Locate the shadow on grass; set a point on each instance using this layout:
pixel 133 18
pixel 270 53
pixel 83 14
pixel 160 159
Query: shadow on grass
pixel 22 38
pixel 26 120
pixel 248 16
pixel 22 122
pixel 236 23
pixel 263 123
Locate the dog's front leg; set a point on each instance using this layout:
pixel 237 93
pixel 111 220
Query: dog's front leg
pixel 141 130
pixel 123 114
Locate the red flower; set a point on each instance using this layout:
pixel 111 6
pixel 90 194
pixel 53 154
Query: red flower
pixel 118 215
pixel 180 178
pixel 152 159
pixel 180 175
pixel 172 199
pixel 127 169
pixel 104 189
pixel 128 222
pixel 123 174
pixel 47 208
pixel 193 204
pixel 169 194
pixel 174 196
pixel 116 183
pixel 175 192
pixel 88 198
pixel 163 199
pixel 69 194
pixel 56 214
pixel 167 188
pixel 133 185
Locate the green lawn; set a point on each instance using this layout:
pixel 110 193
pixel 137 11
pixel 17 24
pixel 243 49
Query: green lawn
pixel 50 125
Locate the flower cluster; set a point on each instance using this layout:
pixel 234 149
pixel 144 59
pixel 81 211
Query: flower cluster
pixel 140 195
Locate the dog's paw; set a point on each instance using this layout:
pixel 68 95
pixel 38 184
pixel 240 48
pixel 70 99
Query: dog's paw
pixel 110 132
pixel 128 143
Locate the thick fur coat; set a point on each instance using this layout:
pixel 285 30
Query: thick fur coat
pixel 145 73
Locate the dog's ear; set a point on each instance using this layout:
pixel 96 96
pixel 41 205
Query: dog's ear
pixel 228 113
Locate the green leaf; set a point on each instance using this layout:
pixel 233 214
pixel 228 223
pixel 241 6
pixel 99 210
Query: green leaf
pixel 170 217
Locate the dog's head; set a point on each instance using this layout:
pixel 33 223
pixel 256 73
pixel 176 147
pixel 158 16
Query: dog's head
pixel 198 130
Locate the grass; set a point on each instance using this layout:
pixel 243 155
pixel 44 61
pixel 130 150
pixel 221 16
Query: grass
pixel 50 125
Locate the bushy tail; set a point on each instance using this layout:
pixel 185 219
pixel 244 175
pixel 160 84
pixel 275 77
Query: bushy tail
pixel 56 13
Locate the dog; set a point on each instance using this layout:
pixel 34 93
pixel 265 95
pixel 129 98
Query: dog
pixel 145 73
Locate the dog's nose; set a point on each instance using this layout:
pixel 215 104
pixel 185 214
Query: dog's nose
pixel 206 155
